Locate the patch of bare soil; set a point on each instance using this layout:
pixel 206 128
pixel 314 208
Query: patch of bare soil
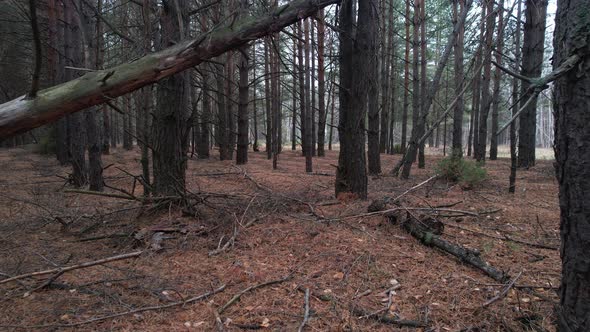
pixel 282 225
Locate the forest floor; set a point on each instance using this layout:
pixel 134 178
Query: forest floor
pixel 282 227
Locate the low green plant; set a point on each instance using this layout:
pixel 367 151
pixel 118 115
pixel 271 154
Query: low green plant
pixel 467 173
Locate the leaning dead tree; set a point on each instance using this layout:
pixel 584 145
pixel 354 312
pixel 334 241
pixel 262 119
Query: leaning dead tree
pixel 23 114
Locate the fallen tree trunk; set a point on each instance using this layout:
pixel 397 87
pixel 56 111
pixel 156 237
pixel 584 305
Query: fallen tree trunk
pixel 418 230
pixel 23 114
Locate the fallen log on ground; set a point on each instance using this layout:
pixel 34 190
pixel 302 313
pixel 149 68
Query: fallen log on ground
pixel 97 87
pixel 418 230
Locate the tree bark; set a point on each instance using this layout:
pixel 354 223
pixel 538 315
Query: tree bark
pixel 457 144
pixel 308 151
pixel 242 152
pixel 374 158
pixel 170 124
pixel 406 81
pixel 486 98
pixel 572 153
pixel 532 65
pixel 355 62
pixel 76 128
pixel 497 82
pixel 513 157
pixel 424 108
pixel 322 114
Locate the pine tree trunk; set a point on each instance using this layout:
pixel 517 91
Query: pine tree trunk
pixel 170 123
pixel 572 152
pixel 497 82
pixel 457 144
pixel 321 86
pixel 373 155
pixel 406 81
pixel 267 96
pixel 416 102
pixel 515 81
pixel 91 60
pixel 355 63
pixel 308 111
pixel 486 98
pixel 76 128
pixel 242 153
pixel 477 83
pixel 532 66
pixel 423 106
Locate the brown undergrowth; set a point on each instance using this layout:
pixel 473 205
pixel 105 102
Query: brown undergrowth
pixel 283 223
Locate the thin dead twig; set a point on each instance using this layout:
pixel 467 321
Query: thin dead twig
pixel 249 289
pixel 125 313
pixel 306 311
pixel 73 267
pixel 503 292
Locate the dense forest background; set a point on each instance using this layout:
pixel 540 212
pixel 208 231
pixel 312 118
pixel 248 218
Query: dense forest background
pixel 267 142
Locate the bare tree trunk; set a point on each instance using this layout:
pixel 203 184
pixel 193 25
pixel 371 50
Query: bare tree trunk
pixel 170 125
pixel 406 81
pixel 275 99
pixel 415 89
pixel 321 86
pixel 423 107
pixel 254 104
pixel 458 112
pixel 294 95
pixel 76 128
pixel 477 83
pixel 497 82
pixel 231 116
pixel 55 65
pixel 301 74
pixel 204 141
pixel 486 98
pixel 312 72
pixel 268 96
pixel 332 121
pixel 513 157
pixel 308 111
pixel 572 152
pixel 532 65
pixel 355 63
pixel 243 95
pixel 386 61
pixel 91 60
pixel 374 158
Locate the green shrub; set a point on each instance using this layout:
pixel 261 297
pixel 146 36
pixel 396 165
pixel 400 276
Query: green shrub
pixel 467 173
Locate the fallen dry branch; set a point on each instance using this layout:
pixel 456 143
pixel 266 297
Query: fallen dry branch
pixel 506 238
pixel 125 313
pixel 388 319
pixel 249 289
pixel 73 267
pixel 306 311
pixel 503 293
pixel 471 257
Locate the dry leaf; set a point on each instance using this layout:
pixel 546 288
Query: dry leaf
pixel 265 322
pixel 338 276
